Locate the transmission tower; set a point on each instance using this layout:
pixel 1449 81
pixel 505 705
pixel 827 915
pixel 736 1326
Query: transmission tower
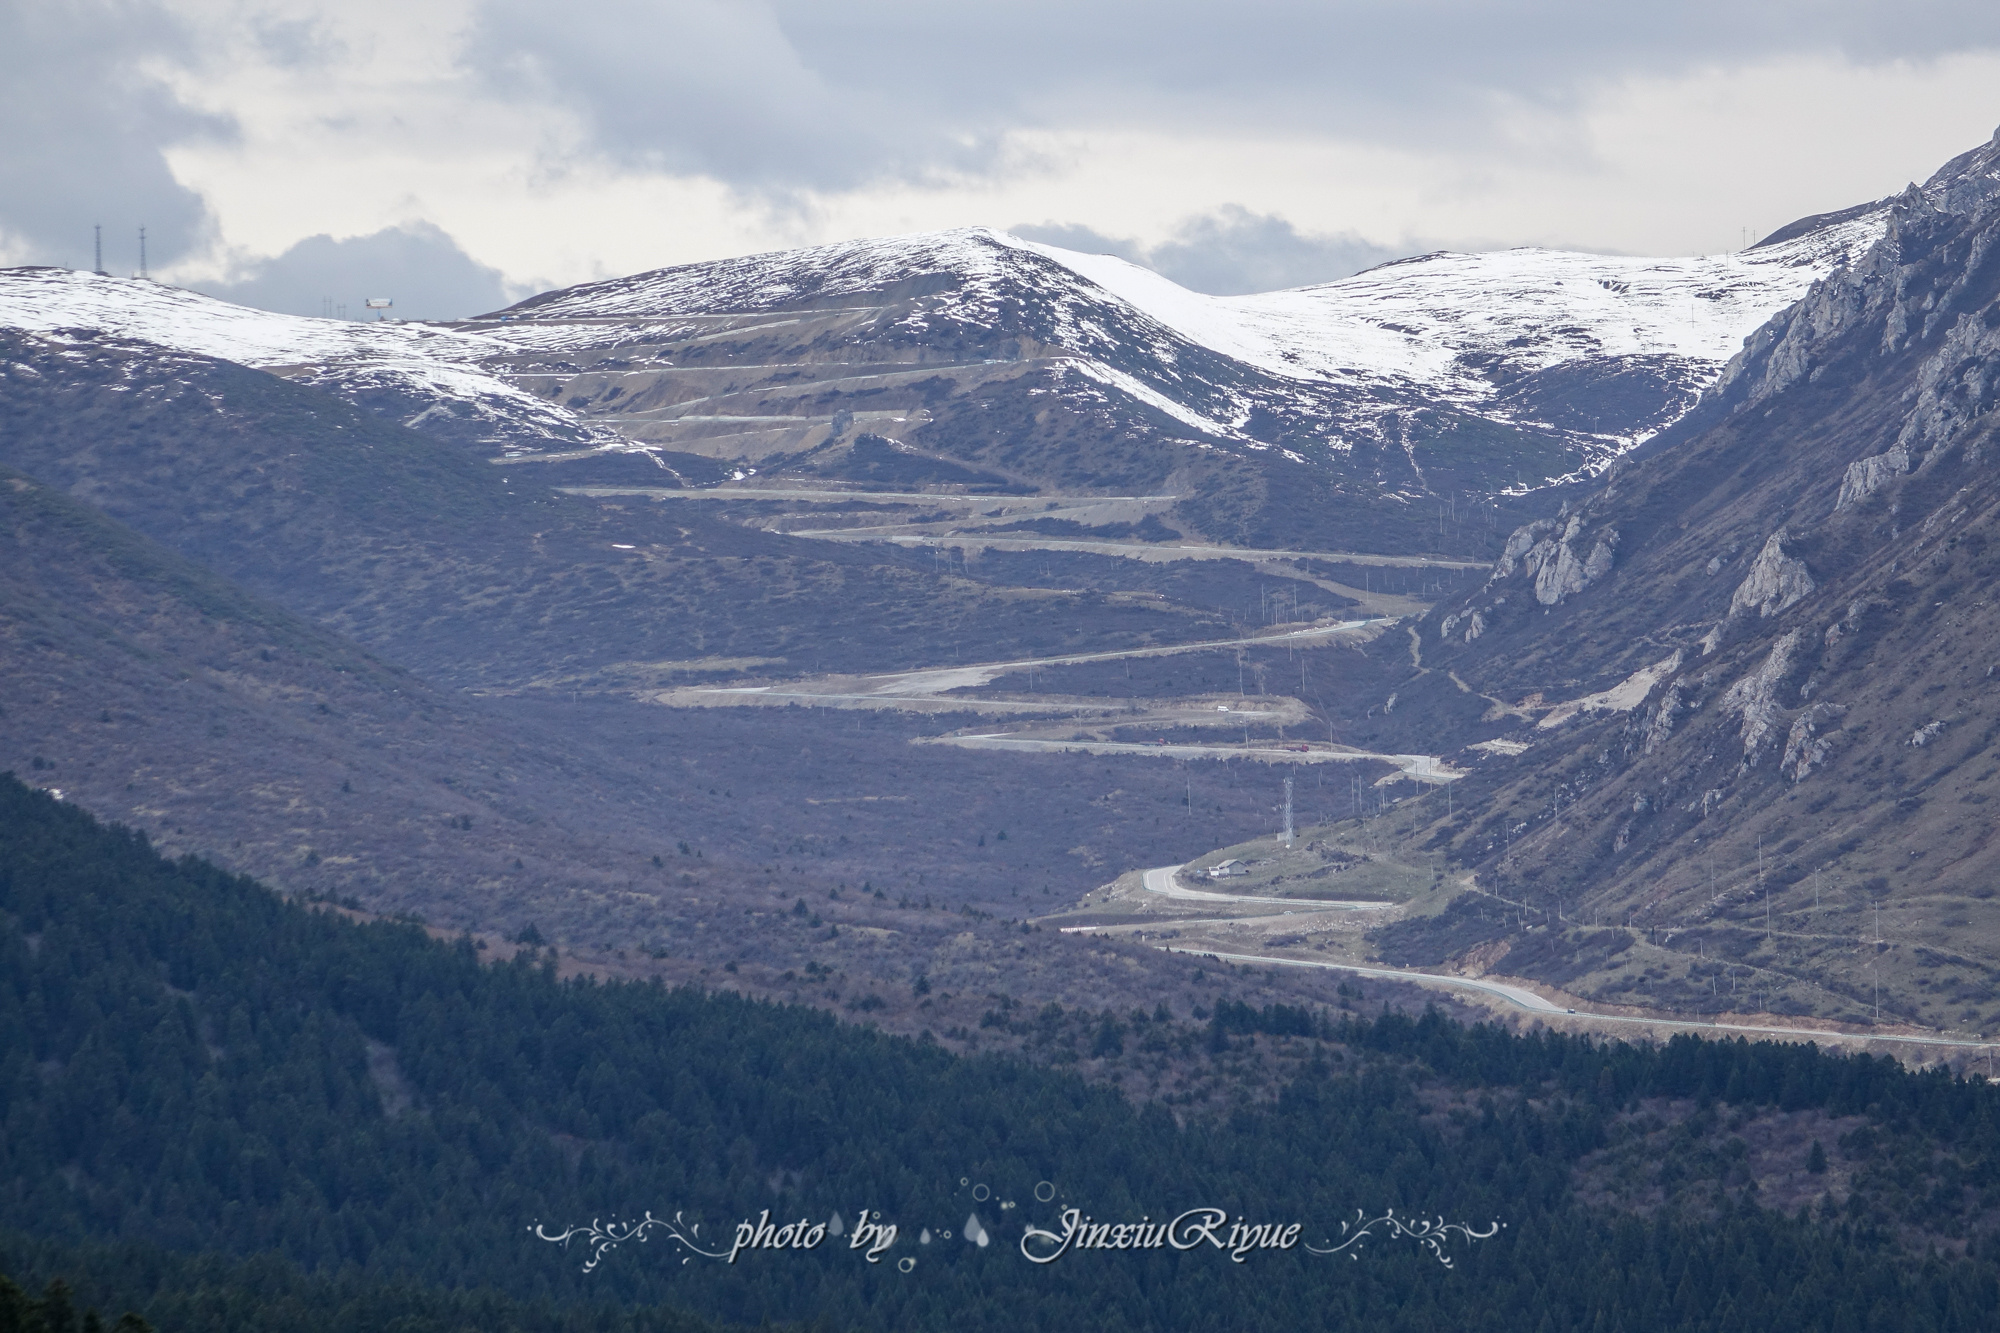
pixel 1288 812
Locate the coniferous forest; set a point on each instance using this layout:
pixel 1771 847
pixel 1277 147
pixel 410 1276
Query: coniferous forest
pixel 222 1110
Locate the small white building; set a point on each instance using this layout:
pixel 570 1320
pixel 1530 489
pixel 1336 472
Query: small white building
pixel 1226 869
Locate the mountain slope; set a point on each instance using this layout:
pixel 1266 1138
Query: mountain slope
pixel 425 375
pixel 1756 669
pixel 1436 330
pixel 418 550
pixel 298 707
pixel 195 1065
pixel 1318 416
pixel 150 691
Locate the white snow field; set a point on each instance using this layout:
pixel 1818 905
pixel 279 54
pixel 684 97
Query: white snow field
pixel 1438 328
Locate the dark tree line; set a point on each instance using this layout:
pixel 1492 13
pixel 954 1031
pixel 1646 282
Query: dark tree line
pixel 56 1312
pixel 208 1094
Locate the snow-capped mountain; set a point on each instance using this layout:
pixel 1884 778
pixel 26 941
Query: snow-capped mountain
pixel 430 377
pixel 1468 333
pixel 976 356
pixel 1458 325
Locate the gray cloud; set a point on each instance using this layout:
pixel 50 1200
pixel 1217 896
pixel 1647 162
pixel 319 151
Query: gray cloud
pixel 1229 252
pixel 721 88
pixel 416 265
pixel 780 95
pixel 86 127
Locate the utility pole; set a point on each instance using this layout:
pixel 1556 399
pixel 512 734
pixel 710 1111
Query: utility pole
pixel 1288 812
pixel 1763 889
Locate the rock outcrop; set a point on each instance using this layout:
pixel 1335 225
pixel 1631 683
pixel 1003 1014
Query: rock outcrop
pixel 1776 582
pixel 1755 698
pixel 1957 386
pixel 1869 475
pixel 1811 740
pixel 1557 555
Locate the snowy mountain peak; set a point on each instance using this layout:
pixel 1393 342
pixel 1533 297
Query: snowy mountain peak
pixel 1442 372
pixel 1441 317
pixel 427 368
pixel 816 275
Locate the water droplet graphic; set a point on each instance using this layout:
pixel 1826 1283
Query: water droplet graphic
pixel 981 1193
pixel 975 1231
pixel 836 1227
pixel 1044 1192
pixel 924 1236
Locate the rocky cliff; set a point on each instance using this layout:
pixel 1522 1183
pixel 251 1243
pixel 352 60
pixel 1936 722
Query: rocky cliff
pixel 1793 816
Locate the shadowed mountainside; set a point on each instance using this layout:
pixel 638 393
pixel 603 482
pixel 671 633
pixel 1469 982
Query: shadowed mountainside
pixel 1755 671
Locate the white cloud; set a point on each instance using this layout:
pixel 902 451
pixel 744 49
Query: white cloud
pixel 562 144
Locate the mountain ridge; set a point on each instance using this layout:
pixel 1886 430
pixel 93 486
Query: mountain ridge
pixel 1440 376
pixel 1758 661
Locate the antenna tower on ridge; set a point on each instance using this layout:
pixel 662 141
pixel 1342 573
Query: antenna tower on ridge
pixel 97 238
pixel 142 252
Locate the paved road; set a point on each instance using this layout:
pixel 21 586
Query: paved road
pixel 1155 551
pixel 1421 767
pixel 1161 880
pixel 1020 502
pixel 937 680
pixel 1524 999
pixel 1535 1004
pixel 1140 550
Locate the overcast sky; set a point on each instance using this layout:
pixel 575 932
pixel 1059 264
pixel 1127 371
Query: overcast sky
pixel 463 152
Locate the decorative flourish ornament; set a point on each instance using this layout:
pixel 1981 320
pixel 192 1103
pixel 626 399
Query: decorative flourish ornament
pixel 1433 1233
pixel 602 1238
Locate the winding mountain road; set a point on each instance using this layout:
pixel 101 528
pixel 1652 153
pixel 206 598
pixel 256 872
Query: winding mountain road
pixel 938 680
pixel 1160 880
pixel 1535 1004
pixel 1420 767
